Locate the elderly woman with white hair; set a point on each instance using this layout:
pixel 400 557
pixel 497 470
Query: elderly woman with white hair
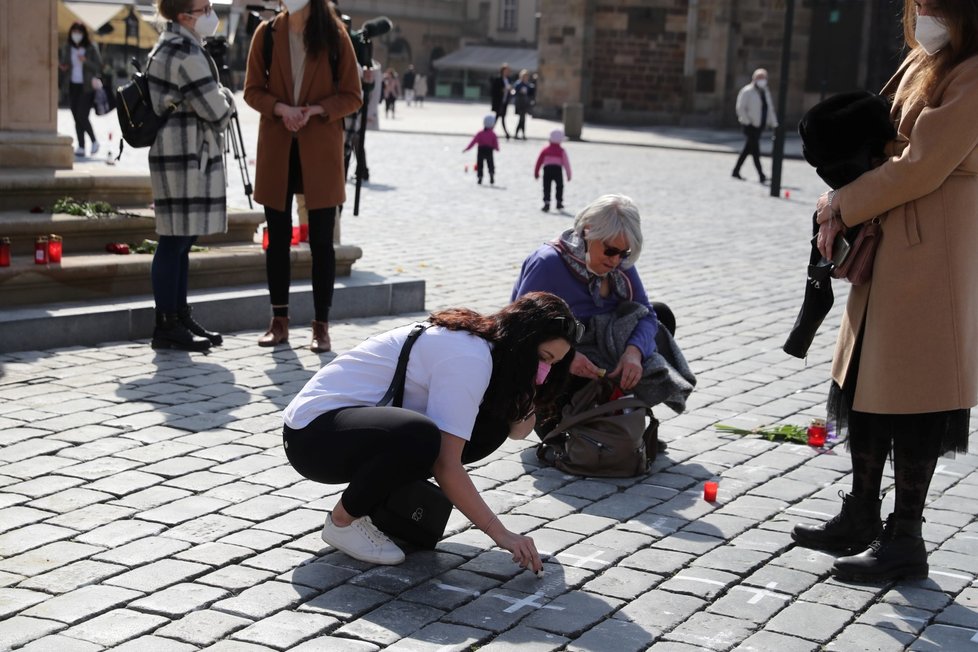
pixel 591 266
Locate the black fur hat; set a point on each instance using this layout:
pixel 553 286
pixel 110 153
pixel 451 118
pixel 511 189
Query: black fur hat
pixel 843 135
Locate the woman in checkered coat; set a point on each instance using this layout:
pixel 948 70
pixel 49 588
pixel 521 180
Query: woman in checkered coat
pixel 186 163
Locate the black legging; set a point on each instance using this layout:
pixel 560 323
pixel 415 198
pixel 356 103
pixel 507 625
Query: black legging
pixel 278 262
pixel 374 449
pixel 81 100
pixel 553 175
pixel 752 147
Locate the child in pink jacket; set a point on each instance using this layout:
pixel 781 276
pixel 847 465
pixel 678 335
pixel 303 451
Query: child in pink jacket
pixel 487 142
pixel 553 159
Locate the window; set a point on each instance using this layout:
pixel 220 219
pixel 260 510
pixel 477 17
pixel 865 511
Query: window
pixel 507 15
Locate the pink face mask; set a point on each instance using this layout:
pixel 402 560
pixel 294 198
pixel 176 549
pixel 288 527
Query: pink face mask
pixel 543 370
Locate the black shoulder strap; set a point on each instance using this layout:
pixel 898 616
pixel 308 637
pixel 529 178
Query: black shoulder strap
pixel 267 42
pixel 395 393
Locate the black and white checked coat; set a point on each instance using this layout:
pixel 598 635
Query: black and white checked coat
pixel 186 163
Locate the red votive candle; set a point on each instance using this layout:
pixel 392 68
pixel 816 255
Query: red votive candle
pixel 303 233
pixel 817 433
pixel 264 239
pixel 710 491
pixel 295 235
pixel 41 250
pixel 5 252
pixel 54 248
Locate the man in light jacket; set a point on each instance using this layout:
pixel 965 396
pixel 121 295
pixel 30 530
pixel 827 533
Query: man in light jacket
pixel 755 110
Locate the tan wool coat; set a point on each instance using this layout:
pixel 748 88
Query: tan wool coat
pixel 321 140
pixel 920 310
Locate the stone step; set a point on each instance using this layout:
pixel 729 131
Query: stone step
pixel 106 277
pixel 24 189
pixel 229 309
pixel 90 234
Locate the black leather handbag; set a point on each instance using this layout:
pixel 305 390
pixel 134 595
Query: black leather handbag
pixel 418 511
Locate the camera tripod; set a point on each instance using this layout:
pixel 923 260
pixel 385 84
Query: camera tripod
pixel 235 142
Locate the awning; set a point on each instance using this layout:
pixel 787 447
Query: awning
pixel 488 58
pixel 95 15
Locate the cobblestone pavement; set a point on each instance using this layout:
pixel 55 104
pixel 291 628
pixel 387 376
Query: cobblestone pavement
pixel 146 504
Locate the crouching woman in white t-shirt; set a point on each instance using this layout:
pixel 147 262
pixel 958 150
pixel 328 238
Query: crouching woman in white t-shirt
pixel 472 380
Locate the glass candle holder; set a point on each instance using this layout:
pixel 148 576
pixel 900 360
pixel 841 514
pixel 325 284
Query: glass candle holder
pixel 41 250
pixel 817 433
pixel 710 491
pixel 54 248
pixel 4 252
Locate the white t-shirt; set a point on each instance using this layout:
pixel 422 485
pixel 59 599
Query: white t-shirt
pixel 77 72
pixel 447 375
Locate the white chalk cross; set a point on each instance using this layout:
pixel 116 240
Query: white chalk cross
pixel 528 601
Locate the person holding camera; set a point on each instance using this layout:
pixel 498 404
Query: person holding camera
pixel 303 94
pixel 905 368
pixel 471 381
pixel 186 163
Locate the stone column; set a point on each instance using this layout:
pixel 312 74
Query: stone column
pixel 29 87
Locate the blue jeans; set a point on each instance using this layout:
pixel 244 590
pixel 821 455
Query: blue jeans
pixel 171 269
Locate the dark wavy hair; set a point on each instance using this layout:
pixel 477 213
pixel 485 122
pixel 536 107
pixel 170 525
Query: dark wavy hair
pixel 79 27
pixel 515 333
pixel 322 32
pixel 961 18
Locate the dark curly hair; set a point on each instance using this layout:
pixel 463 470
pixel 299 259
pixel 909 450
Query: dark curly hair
pixel 515 333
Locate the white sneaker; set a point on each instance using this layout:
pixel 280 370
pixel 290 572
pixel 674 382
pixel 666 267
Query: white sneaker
pixel 94 148
pixel 79 151
pixel 362 540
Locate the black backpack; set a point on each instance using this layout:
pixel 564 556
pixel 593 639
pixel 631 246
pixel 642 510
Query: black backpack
pixel 138 121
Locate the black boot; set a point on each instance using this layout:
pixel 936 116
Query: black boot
pixel 898 553
pixel 187 319
pixel 170 333
pixel 852 529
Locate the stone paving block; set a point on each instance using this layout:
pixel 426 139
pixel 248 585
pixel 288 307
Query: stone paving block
pixel 125 482
pixel 69 500
pixel 115 627
pixel 691 542
pixel 534 485
pixel 701 582
pixel 264 599
pixel 954 561
pixel 151 497
pixel 257 540
pixel 757 508
pixel 154 643
pixel 345 602
pixel 178 466
pixel 158 575
pixel 619 507
pixel 207 528
pixel 92 452
pixel 524 638
pixel 900 617
pixel 318 575
pixel 659 610
pixel 117 533
pixel 12 432
pixel 13 600
pixel 764 641
pixel 613 634
pixel 179 599
pixel 815 562
pixel 499 609
pixel 214 554
pixel 862 637
pixel 262 508
pixel 335 644
pixel 235 578
pixel 809 620
pixel 32 536
pixel 710 631
pixel 624 583
pixel 837 594
pixel 294 523
pixel 240 491
pixel 724 526
pixel 441 637
pixel 420 566
pixel 654 525
pixel 552 507
pixel 82 604
pixel 202 628
pixel 12 518
pixel 200 480
pixel 53 555
pixel 494 563
pixel 183 509
pixel 30 448
pixel 225 452
pixel 764 540
pixel 286 629
pixel 72 576
pixel 142 551
pixel 944 637
pixel 735 560
pixel 549 541
pixel 450 590
pixel 618 538
pixel 86 519
pixel 248 466
pixel 651 492
pixel 42 486
pixel 22 629
pixel 586 524
pixel 277 477
pixel 664 562
pixel 573 613
pixel 918 597
pixel 61 644
pixel 279 560
pixel 390 622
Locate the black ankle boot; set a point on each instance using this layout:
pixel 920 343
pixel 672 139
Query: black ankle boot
pixel 852 529
pixel 898 553
pixel 170 333
pixel 187 319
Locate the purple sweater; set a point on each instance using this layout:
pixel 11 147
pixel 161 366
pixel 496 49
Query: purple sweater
pixel 545 271
pixel 485 138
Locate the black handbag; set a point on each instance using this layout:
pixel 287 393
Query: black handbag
pixel 418 511
pixel 138 122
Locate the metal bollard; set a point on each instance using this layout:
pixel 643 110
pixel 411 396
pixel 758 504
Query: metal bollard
pixel 573 120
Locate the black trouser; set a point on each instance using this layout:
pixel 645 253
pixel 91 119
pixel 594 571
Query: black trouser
pixel 520 126
pixel 484 156
pixel 375 449
pixel 278 261
pixel 752 146
pixel 501 115
pixel 81 100
pixel 170 272
pixel 553 174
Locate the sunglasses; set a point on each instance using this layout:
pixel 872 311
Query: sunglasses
pixel 611 252
pixel 571 329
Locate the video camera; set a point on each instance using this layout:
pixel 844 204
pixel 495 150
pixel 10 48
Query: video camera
pixel 217 47
pixel 362 37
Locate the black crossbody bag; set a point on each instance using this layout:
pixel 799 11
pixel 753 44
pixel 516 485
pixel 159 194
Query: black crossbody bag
pixel 418 511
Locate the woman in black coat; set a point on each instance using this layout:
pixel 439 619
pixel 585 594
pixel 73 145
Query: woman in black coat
pixel 499 89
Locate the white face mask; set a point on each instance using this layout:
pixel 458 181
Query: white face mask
pixel 761 83
pixel 931 33
pixel 76 37
pixel 206 24
pixel 295 5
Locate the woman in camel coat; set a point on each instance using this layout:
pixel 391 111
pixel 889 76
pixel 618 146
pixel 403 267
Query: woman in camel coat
pixel 312 83
pixel 905 369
